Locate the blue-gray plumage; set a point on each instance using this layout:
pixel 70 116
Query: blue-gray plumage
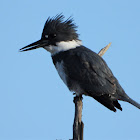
pixel 82 70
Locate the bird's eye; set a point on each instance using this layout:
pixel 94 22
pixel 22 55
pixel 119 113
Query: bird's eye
pixel 46 36
pixel 50 36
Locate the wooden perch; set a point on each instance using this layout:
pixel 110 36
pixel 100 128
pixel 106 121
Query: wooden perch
pixel 103 50
pixel 78 125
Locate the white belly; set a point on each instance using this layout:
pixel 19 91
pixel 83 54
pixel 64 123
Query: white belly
pixel 61 72
pixel 75 86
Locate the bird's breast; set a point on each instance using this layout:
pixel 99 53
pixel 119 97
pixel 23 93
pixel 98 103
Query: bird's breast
pixel 60 69
pixel 70 83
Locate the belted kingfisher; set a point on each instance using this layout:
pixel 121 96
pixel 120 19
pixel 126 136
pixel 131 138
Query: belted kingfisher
pixel 82 70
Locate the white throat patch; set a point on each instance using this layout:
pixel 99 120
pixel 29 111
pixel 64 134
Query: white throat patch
pixel 63 46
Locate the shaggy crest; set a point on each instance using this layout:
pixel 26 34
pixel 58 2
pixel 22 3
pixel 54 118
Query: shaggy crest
pixel 57 25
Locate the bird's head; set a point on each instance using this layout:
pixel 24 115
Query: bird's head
pixel 58 35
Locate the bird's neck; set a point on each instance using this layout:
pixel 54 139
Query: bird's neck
pixel 63 46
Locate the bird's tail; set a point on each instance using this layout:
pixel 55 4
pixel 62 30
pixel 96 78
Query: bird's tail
pixel 131 101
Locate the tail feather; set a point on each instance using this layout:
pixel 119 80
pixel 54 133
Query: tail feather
pixel 131 101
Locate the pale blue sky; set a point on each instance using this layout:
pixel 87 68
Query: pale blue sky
pixel 34 102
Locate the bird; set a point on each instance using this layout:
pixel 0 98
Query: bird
pixel 82 70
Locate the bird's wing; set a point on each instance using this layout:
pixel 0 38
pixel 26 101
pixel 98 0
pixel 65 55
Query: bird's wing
pixel 90 71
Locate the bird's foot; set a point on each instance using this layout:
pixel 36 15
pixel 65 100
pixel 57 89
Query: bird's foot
pixel 77 98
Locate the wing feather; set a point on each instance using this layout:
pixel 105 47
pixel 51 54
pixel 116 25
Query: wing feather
pixel 90 71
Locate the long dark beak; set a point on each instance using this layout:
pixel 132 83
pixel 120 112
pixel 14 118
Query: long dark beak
pixel 35 45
